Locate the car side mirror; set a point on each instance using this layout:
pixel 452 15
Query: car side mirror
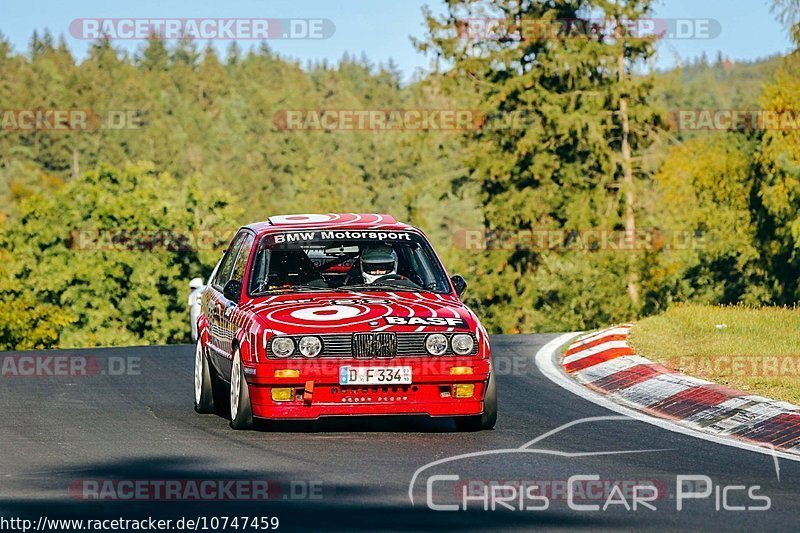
pixel 460 284
pixel 196 283
pixel 232 290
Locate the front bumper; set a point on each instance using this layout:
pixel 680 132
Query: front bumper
pixel 317 392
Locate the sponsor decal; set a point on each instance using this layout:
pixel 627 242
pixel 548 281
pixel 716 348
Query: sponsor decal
pixel 339 235
pixel 339 301
pixel 326 313
pixel 426 321
pixel 324 316
pixel 362 301
pixel 335 219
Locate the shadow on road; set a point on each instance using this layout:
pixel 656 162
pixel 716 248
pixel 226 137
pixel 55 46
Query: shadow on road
pixel 346 506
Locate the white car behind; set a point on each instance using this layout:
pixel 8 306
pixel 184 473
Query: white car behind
pixel 197 287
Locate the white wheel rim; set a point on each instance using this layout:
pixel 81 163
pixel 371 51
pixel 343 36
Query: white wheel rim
pixel 235 384
pixel 198 372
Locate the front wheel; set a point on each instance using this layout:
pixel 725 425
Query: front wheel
pixel 241 409
pixel 203 389
pixel 488 418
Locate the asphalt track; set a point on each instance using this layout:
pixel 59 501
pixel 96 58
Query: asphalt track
pixel 57 432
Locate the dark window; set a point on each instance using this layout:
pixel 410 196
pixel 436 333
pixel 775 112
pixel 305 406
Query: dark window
pixel 319 260
pixel 241 258
pixel 226 266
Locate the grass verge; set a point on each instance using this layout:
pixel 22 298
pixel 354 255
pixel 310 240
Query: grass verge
pixel 756 350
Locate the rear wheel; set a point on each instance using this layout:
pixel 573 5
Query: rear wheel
pixel 203 389
pixel 241 409
pixel 488 418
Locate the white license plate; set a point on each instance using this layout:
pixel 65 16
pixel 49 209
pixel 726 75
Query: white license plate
pixel 374 375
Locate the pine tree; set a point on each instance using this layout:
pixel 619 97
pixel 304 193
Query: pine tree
pixel 568 125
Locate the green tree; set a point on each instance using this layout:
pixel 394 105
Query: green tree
pixel 778 192
pixel 581 122
pixel 68 255
pixel 708 210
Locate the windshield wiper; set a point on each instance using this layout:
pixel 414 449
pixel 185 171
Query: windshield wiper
pixel 310 288
pixel 378 287
pixel 291 288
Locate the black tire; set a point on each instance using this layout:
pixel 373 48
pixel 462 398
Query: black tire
pixel 241 409
pixel 488 418
pixel 203 388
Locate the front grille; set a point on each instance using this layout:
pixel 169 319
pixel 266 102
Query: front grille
pixel 411 344
pixel 369 345
pixel 336 345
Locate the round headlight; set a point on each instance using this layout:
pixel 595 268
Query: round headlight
pixel 282 346
pixel 462 343
pixel 436 344
pixel 310 346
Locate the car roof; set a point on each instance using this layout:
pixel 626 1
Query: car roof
pixel 329 221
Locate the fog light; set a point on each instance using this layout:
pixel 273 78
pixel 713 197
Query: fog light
pixel 463 390
pixel 460 370
pixel 282 395
pixel 287 373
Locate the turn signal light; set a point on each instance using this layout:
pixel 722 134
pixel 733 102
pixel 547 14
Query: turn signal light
pixel 460 370
pixel 287 373
pixel 282 395
pixel 463 390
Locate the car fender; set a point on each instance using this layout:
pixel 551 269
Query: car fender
pixel 202 329
pixel 247 341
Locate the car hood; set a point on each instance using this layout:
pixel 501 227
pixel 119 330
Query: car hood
pixel 342 312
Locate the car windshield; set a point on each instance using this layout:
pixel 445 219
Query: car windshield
pixel 346 259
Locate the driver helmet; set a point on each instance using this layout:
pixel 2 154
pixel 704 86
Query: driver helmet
pixel 378 261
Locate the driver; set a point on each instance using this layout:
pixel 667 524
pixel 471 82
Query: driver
pixel 377 262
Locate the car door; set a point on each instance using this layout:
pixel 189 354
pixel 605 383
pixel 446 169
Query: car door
pixel 221 332
pixel 227 323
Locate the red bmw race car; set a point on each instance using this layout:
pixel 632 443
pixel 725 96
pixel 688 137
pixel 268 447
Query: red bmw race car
pixel 339 315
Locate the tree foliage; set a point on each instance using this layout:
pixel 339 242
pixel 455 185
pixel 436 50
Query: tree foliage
pixel 88 249
pixel 574 140
pixel 572 159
